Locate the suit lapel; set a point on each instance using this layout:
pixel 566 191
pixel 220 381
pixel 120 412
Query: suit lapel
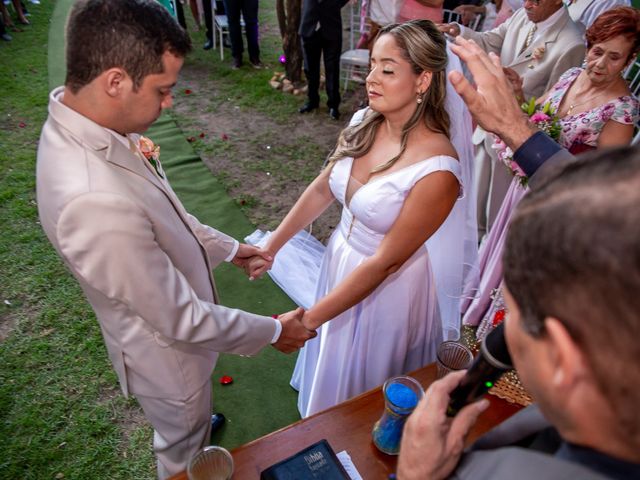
pixel 550 37
pixel 132 161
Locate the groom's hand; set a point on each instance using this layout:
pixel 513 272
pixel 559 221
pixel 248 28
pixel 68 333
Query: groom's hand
pixel 294 334
pixel 257 266
pixel 246 252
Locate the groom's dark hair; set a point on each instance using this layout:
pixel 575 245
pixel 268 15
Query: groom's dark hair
pixel 573 253
pixel 130 34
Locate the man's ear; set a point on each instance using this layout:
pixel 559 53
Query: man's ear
pixel 115 81
pixel 567 359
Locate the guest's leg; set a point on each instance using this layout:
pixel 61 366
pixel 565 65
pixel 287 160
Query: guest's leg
pixel 17 6
pixel 250 15
pixel 312 49
pixel 482 180
pixel 193 5
pixel 499 182
pixel 180 14
pixel 331 52
pixel 233 9
pixel 208 23
pixel 181 428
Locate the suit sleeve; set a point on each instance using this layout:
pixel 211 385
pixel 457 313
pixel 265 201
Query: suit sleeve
pixel 109 242
pixel 219 246
pixel 540 154
pixel 490 41
pixel 572 56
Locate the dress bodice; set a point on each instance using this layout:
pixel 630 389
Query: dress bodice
pixel 581 131
pixel 374 207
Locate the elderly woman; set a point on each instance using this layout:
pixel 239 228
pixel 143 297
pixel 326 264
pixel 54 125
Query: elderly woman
pixel 595 109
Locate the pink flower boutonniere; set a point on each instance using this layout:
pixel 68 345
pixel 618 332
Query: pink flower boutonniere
pixel 151 152
pixel 537 55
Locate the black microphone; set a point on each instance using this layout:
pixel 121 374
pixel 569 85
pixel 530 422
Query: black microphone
pixel 492 361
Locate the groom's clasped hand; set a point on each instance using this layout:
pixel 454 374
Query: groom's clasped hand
pixel 255 261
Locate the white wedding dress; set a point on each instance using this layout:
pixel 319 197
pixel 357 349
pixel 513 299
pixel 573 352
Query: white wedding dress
pixel 398 327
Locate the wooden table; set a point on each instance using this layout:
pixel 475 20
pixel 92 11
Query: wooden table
pixel 346 426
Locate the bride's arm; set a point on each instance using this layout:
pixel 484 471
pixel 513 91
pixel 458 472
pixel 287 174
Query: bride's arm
pixel 424 210
pixel 314 200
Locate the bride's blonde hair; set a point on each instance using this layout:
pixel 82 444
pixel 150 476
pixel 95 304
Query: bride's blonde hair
pixel 424 47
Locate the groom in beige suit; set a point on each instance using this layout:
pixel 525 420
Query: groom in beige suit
pixel 142 260
pixel 538 43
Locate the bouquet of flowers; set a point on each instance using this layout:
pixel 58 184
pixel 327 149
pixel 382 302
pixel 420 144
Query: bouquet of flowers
pixel 542 116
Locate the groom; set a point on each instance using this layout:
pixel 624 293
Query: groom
pixel 142 260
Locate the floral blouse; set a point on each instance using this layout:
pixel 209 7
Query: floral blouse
pixel 581 131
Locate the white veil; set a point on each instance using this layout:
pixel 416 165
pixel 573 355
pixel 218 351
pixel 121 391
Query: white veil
pixel 453 249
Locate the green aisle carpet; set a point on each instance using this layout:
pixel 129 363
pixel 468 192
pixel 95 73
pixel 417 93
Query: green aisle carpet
pixel 260 400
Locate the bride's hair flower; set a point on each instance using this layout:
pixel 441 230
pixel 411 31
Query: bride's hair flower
pixel 542 116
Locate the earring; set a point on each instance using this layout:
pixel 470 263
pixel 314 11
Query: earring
pixel 419 98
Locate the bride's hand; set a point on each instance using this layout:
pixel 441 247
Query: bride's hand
pixel 257 266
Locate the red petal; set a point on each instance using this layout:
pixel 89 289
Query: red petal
pixel 224 136
pixel 22 124
pixel 187 91
pixel 201 135
pixel 274 316
pixel 191 139
pixel 226 380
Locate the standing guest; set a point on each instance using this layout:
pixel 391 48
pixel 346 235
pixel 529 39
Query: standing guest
pixel 538 43
pixel 585 12
pixel 248 9
pixel 321 32
pixel 421 10
pixel 381 14
pixel 3 31
pixel 596 110
pixel 494 12
pixel 143 262
pixel 396 174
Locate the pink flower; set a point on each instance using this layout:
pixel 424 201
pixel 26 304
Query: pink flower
pixel 148 149
pixel 538 53
pixel 540 117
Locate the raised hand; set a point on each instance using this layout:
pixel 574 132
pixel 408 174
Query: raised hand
pixel 492 104
pixel 432 442
pixel 516 82
pixel 294 334
pixel 452 29
pixel 246 252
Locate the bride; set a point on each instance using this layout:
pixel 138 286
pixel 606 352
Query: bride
pixel 398 177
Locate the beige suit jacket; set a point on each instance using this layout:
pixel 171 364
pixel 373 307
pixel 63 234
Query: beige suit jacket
pixel 142 261
pixel 563 44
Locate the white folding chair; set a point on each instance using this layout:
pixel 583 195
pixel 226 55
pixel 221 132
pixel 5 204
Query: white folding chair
pixel 632 76
pixel 354 62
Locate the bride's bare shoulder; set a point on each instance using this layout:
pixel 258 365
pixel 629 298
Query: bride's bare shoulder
pixel 432 145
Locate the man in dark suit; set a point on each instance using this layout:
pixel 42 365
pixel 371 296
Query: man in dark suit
pixel 321 32
pixel 571 266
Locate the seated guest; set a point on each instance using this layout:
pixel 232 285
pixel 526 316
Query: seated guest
pixel 596 109
pixel 420 10
pixel 495 12
pixel 572 280
pixel 539 43
pixel 585 12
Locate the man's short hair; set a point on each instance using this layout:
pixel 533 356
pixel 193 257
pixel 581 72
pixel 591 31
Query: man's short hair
pixel 573 253
pixel 130 34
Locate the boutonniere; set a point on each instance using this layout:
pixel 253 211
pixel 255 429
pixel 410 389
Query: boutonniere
pixel 537 54
pixel 151 152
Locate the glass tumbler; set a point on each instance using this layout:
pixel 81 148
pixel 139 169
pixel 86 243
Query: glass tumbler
pixel 210 463
pixel 401 395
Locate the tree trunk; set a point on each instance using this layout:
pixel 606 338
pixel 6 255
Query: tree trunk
pixel 289 12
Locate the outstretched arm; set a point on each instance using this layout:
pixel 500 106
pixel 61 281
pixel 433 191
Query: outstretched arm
pixel 313 201
pixel 412 228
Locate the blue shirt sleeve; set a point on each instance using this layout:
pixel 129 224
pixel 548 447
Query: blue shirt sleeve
pixel 535 151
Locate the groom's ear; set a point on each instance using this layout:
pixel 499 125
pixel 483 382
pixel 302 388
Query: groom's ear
pixel 116 81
